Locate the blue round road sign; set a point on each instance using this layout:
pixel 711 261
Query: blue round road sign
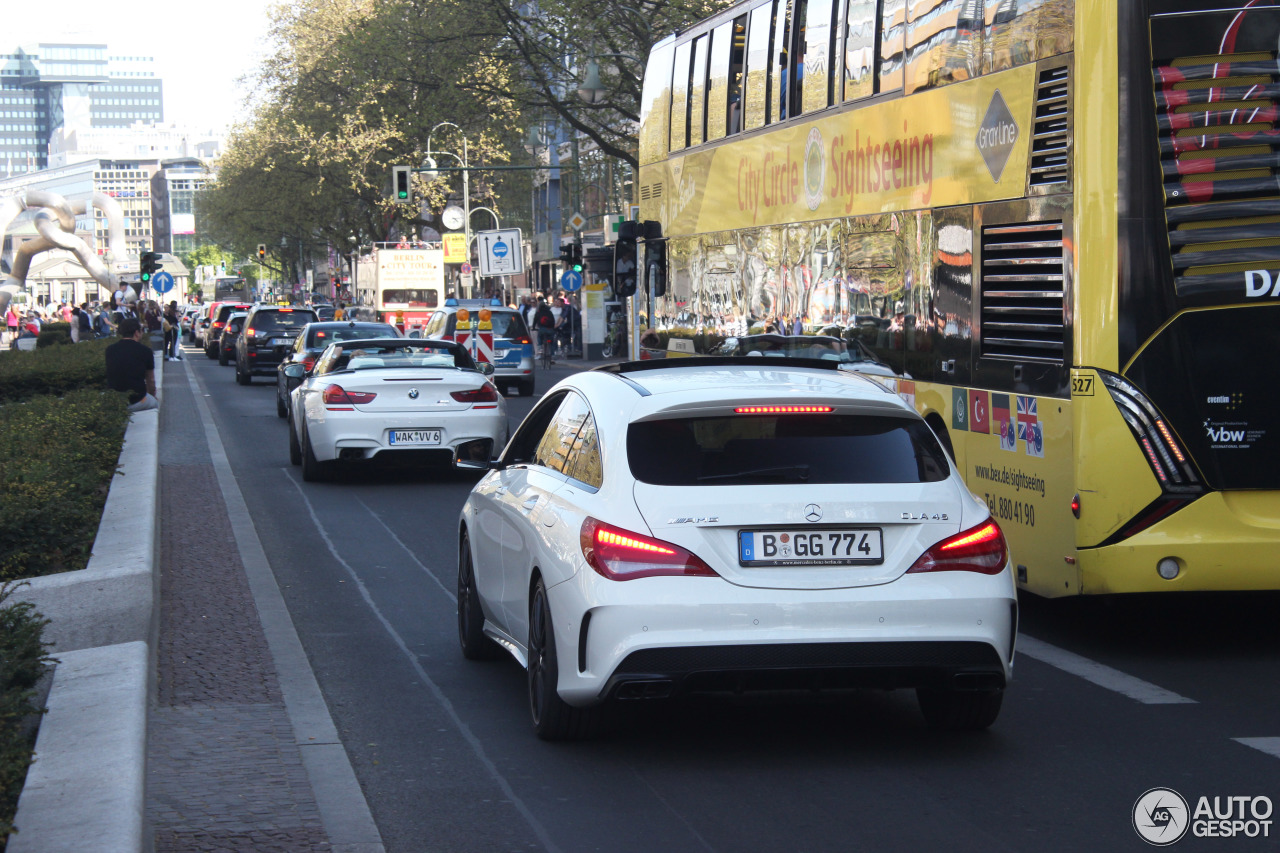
pixel 571 280
pixel 499 249
pixel 162 282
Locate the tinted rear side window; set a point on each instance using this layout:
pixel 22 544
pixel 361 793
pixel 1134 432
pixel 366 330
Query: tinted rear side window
pixel 767 450
pixel 508 325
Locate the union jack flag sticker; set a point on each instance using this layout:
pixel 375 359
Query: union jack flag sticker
pixel 1029 426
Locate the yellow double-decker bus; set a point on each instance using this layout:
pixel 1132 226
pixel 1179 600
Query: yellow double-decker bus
pixel 1057 222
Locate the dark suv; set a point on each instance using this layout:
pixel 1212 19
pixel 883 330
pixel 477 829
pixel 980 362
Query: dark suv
pixel 211 335
pixel 269 334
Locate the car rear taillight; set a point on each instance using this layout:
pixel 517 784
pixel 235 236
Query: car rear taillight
pixel 622 555
pixel 523 339
pixel 309 362
pixel 219 324
pixel 249 332
pixel 336 395
pixel 979 549
pixel 484 394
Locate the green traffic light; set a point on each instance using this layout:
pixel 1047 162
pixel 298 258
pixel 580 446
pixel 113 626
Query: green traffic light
pixel 577 267
pixel 403 195
pixel 146 277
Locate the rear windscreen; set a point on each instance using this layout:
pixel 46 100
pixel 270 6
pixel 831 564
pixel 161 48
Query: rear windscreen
pixel 321 338
pixel 275 321
pixel 508 325
pixel 770 449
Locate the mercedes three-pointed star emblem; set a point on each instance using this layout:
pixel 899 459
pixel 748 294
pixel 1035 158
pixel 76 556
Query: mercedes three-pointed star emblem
pixel 813 512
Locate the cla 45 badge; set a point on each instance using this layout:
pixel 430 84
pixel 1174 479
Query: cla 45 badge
pixel 924 516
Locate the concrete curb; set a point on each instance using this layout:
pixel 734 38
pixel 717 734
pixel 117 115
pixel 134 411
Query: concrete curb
pixel 89 777
pixel 88 780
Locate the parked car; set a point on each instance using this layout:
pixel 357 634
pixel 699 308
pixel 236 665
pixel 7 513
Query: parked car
pixel 513 359
pixel 270 332
pixel 667 527
pixel 231 332
pixel 219 315
pixel 312 341
pixel 410 400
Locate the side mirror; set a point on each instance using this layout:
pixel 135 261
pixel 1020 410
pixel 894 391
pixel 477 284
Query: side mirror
pixel 295 371
pixel 476 455
pixel 485 367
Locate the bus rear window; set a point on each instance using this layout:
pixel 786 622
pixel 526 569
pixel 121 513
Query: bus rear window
pixel 773 449
pixel 414 298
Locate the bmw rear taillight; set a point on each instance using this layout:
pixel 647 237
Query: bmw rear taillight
pixel 484 394
pixel 623 555
pixel 336 395
pixel 979 549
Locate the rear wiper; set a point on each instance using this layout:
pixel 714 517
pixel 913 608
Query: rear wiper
pixel 797 472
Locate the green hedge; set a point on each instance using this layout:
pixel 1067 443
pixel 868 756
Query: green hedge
pixel 56 464
pixel 52 370
pixel 23 659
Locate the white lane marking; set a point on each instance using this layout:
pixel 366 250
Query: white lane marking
pixel 469 736
pixel 1269 745
pixel 1099 674
pixel 450 593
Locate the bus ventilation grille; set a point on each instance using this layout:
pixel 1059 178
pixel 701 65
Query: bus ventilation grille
pixel 1050 139
pixel 1218 152
pixel 650 191
pixel 1023 292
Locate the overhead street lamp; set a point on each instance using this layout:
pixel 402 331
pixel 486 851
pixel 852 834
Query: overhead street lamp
pixel 431 172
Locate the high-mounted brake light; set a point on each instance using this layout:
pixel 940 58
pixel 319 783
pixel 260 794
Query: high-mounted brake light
pixel 622 555
pixel 336 395
pixel 979 549
pixel 783 410
pixel 484 394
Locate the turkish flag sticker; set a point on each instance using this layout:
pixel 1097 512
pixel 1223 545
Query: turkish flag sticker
pixel 979 412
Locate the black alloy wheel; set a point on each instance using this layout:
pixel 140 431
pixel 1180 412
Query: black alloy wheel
pixel 553 718
pixel 475 645
pixel 313 470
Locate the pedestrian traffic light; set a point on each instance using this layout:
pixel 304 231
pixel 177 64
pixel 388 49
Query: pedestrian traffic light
pixel 571 255
pixel 400 184
pixel 625 273
pixel 148 265
pixel 262 252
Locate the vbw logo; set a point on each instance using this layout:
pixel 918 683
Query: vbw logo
pixel 1160 816
pixel 1222 434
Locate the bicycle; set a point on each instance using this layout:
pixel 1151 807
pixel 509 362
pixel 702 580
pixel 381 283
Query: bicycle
pixel 615 340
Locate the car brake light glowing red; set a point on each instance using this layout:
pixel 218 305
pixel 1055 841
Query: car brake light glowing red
pixel 336 395
pixel 219 324
pixel 309 362
pixel 783 410
pixel 979 549
pixel 523 339
pixel 622 555
pixel 249 332
pixel 484 394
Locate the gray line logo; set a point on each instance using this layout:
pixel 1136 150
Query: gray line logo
pixel 997 135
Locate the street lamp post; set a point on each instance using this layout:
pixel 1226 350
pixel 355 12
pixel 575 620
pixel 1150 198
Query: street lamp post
pixel 431 173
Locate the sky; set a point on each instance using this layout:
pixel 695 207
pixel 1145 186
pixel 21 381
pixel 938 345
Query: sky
pixel 200 50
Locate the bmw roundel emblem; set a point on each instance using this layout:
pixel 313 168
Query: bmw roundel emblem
pixel 813 512
pixel 413 393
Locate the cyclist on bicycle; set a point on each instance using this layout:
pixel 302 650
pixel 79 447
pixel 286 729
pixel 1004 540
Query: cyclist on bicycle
pixel 544 323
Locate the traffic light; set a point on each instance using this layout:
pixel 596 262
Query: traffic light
pixel 625 273
pixel 599 263
pixel 571 255
pixel 401 187
pixel 655 267
pixel 148 265
pixel 262 252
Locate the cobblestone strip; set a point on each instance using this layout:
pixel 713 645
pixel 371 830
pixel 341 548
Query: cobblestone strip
pixel 224 772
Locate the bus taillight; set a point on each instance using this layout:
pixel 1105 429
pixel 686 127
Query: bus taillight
pixel 1159 445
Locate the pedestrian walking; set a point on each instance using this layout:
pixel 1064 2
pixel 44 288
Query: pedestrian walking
pixel 169 324
pixel 11 323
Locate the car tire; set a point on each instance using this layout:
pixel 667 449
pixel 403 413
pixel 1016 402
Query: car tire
pixel 475 645
pixel 526 388
pixel 245 378
pixel 553 718
pixel 959 710
pixel 281 409
pixel 313 470
pixel 210 352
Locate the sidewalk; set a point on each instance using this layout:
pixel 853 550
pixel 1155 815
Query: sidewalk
pixel 225 769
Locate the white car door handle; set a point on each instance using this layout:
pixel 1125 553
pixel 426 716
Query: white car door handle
pixel 501 490
pixel 530 504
